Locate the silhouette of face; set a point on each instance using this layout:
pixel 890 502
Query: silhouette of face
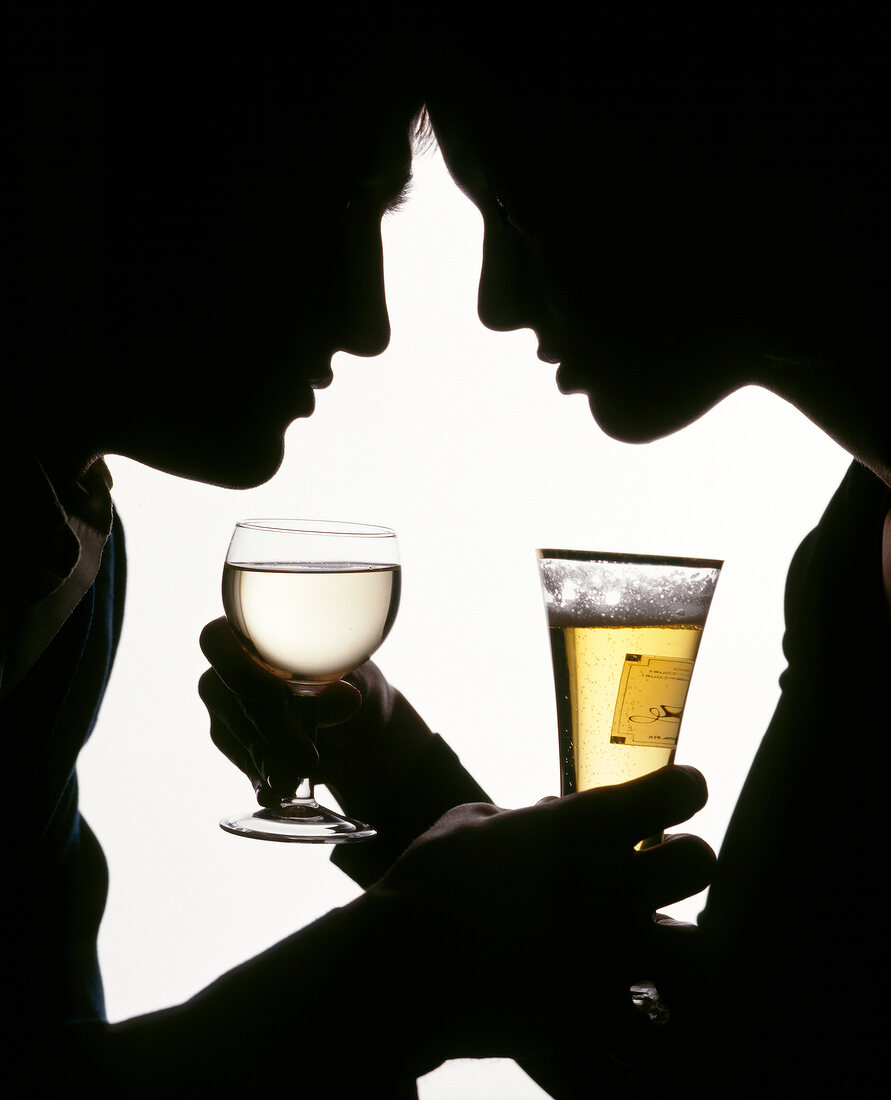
pixel 664 215
pixel 610 243
pixel 233 311
pixel 262 258
pixel 237 170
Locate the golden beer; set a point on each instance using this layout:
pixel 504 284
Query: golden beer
pixel 620 699
pixel 624 635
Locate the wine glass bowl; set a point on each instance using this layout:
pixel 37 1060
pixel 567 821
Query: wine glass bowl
pixel 310 601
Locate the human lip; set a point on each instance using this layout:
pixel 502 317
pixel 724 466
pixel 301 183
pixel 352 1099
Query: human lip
pixel 547 356
pixel 569 380
pixel 305 398
pixel 303 405
pixel 317 372
pixel 321 380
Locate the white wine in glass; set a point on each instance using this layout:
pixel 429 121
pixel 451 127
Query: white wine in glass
pixel 309 600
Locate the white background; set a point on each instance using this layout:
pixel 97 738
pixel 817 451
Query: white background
pixel 459 439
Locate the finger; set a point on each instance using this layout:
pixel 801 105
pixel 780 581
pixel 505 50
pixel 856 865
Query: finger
pixel 283 718
pixel 267 700
pixel 640 808
pixel 675 952
pixel 680 927
pixel 210 688
pixel 238 671
pixel 274 759
pixel 683 865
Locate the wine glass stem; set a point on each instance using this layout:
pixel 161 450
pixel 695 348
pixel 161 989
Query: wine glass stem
pixel 308 711
pixel 304 792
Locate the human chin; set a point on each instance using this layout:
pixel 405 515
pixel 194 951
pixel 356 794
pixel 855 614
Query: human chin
pixel 628 426
pixel 622 403
pixel 254 452
pixel 230 463
pixel 641 389
pixel 611 416
pixel 234 451
pixel 250 448
pixel 642 411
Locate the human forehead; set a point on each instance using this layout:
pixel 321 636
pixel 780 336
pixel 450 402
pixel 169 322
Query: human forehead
pixel 592 148
pixel 373 151
pixel 501 153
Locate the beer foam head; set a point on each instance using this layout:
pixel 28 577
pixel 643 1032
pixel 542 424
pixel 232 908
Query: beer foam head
pixel 630 592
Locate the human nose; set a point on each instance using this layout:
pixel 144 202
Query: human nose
pixel 364 327
pixel 506 292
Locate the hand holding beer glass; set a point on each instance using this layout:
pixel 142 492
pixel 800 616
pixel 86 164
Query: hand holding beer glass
pixel 624 630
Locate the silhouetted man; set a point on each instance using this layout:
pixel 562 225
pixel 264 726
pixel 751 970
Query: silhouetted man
pixel 194 229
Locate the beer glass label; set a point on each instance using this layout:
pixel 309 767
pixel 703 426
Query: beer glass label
pixel 650 702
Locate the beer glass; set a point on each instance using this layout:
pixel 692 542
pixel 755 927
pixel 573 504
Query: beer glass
pixel 624 630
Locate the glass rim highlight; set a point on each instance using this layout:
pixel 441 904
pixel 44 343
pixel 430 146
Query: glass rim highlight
pixel 333 528
pixel 612 558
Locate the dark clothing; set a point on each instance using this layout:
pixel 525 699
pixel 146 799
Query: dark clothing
pixel 51 920
pixel 54 1030
pixel 793 999
pixel 58 867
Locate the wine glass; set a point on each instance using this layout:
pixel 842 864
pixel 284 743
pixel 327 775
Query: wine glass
pixel 309 600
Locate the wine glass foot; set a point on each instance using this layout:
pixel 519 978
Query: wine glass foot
pixel 299 820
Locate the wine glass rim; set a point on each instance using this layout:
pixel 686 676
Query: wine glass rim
pixel 319 527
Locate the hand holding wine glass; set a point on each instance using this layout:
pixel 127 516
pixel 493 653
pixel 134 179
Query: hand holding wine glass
pixel 309 601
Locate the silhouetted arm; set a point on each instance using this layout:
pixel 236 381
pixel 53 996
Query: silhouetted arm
pixel 459 951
